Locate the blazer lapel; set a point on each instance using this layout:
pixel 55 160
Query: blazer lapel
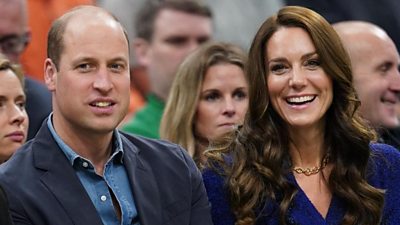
pixel 144 186
pixel 61 179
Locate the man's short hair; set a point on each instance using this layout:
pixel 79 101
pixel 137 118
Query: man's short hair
pixel 144 24
pixel 55 37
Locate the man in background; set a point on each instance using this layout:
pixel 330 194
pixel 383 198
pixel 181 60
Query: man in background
pixel 14 37
pixel 375 64
pixel 167 32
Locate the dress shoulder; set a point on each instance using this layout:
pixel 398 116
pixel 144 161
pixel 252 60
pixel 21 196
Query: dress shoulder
pixel 385 174
pixel 218 197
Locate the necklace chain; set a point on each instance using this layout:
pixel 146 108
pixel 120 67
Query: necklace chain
pixel 314 170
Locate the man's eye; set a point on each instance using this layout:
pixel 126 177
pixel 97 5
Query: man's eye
pixel 177 41
pixel 386 67
pixel 84 67
pixel 117 67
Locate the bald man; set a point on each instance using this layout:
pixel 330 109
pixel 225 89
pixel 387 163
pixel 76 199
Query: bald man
pixel 375 61
pixel 80 169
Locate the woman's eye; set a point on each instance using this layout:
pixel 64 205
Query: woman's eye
pixel 313 63
pixel 278 69
pixel 239 95
pixel 211 97
pixel 21 105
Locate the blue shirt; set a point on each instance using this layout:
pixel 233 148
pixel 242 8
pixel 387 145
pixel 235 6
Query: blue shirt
pixel 384 174
pixel 98 187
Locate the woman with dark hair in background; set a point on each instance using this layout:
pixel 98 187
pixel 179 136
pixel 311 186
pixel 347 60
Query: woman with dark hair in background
pixel 304 156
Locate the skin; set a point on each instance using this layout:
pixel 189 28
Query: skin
pixel 376 78
pixel 13 118
pixel 176 34
pixel 223 101
pixel 13 21
pixel 91 88
pixel 295 74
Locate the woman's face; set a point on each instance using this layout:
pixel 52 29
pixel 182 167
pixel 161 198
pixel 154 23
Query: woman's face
pixel 300 90
pixel 13 117
pixel 223 101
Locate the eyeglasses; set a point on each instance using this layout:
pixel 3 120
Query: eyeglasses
pixel 14 43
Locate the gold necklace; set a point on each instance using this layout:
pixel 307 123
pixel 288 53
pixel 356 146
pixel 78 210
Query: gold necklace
pixel 313 170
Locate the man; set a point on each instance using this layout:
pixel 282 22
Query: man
pixel 79 169
pixel 167 32
pixel 14 37
pixel 375 62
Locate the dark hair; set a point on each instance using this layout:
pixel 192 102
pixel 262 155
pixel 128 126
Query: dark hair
pixel 144 24
pixel 262 146
pixel 55 37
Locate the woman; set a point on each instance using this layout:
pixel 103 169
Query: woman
pixel 208 98
pixel 303 155
pixel 13 117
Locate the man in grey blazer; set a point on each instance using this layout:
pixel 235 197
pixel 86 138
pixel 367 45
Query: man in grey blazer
pixel 79 169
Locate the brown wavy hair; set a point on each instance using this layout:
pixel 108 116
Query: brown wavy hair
pixel 260 150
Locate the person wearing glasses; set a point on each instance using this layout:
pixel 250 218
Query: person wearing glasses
pixel 14 38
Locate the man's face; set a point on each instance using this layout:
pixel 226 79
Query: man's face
pixel 14 35
pixel 375 63
pixel 91 87
pixel 176 34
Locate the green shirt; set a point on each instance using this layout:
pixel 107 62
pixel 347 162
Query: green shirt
pixel 146 121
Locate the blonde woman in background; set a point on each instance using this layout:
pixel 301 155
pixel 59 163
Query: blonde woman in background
pixel 13 118
pixel 208 98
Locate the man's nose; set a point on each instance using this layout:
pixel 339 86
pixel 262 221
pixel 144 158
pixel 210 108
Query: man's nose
pixel 103 81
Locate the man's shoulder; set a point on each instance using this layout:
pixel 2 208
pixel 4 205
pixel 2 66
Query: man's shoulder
pixel 151 147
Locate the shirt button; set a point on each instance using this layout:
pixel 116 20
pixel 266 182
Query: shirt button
pixel 85 164
pixel 103 198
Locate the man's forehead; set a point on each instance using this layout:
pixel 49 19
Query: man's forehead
pixel 12 19
pixel 173 20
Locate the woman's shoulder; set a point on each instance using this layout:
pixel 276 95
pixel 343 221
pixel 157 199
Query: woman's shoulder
pixel 384 153
pixel 214 182
pixel 384 165
pixel 384 173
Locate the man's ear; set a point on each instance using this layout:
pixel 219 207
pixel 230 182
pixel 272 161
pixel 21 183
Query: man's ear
pixel 50 74
pixel 141 48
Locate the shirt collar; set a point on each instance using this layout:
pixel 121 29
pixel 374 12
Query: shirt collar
pixel 117 149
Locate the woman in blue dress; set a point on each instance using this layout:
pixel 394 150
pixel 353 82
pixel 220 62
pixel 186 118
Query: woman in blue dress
pixel 303 156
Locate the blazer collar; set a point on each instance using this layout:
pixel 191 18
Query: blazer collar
pixel 60 179
pixel 143 183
